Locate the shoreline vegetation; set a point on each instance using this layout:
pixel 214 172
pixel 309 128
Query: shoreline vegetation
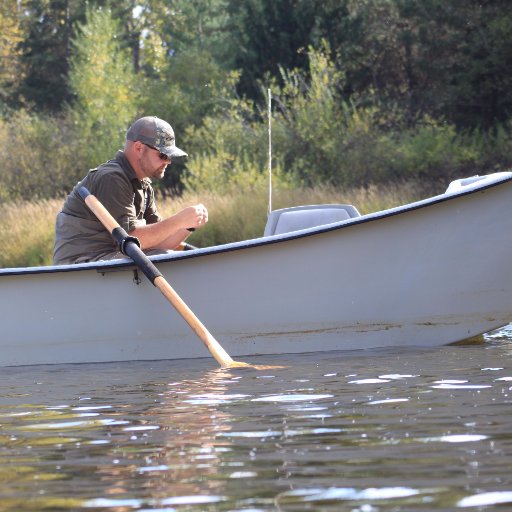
pixel 27 228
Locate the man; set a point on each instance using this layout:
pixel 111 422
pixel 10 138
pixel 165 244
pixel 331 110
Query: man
pixel 123 185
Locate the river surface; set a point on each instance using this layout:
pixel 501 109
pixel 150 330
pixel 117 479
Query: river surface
pixel 361 431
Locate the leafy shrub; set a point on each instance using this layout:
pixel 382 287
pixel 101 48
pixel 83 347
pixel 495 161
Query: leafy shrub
pixel 38 152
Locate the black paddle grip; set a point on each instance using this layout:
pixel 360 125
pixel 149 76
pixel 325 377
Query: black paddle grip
pixel 130 246
pixel 122 238
pixel 142 261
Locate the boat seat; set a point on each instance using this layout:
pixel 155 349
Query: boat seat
pixel 304 217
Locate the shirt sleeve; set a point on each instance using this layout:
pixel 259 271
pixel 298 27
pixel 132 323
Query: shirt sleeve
pixel 115 192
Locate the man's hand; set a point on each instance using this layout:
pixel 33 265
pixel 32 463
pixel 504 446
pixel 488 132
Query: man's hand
pixel 195 216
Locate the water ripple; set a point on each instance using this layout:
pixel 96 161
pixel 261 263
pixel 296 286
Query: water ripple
pixel 486 499
pixel 349 493
pixel 290 398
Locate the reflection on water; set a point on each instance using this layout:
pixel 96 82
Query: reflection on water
pixel 365 431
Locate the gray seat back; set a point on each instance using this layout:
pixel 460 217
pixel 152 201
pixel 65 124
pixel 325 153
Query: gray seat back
pixel 295 218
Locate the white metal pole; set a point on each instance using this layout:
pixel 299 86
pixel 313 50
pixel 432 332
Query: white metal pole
pixel 270 151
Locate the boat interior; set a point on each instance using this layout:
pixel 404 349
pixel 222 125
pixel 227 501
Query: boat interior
pixel 296 218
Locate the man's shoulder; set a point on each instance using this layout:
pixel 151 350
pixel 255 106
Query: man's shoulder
pixel 111 171
pixel 113 166
pixel 117 165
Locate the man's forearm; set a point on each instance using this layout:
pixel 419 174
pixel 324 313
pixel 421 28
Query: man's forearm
pixel 172 230
pixel 160 234
pixel 174 241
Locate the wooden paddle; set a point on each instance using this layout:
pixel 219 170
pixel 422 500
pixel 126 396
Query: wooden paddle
pixel 131 247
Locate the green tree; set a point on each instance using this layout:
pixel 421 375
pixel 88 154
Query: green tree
pixel 196 25
pixel 268 35
pixel 141 23
pixel 156 31
pixel 11 35
pixel 46 51
pixel 470 49
pixel 183 78
pixel 449 59
pixel 103 83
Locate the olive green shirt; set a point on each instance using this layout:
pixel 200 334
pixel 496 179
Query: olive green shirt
pixel 79 236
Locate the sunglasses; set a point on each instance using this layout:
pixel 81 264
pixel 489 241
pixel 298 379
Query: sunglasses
pixel 162 156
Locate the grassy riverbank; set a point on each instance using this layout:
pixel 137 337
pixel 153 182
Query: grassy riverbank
pixel 27 228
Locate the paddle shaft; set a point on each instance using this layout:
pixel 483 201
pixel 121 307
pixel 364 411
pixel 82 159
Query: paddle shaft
pixel 145 264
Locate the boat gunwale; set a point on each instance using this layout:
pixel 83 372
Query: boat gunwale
pixel 126 264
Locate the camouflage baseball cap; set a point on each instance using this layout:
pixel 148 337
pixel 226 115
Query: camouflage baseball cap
pixel 157 133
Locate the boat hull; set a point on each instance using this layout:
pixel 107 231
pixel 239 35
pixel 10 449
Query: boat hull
pixel 426 274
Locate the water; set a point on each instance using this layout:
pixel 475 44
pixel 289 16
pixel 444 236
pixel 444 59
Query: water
pixel 363 431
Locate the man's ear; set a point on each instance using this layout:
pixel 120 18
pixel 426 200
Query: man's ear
pixel 138 146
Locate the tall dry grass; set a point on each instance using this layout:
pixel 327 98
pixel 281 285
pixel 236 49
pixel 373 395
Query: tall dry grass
pixel 242 215
pixel 27 232
pixel 27 228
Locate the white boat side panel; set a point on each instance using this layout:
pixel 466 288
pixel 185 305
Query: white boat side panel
pixel 426 276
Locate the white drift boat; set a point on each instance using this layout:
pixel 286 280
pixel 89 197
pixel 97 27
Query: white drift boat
pixel 321 278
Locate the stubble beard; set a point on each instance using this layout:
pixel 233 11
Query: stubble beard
pixel 150 171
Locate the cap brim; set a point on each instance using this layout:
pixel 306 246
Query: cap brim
pixel 174 152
